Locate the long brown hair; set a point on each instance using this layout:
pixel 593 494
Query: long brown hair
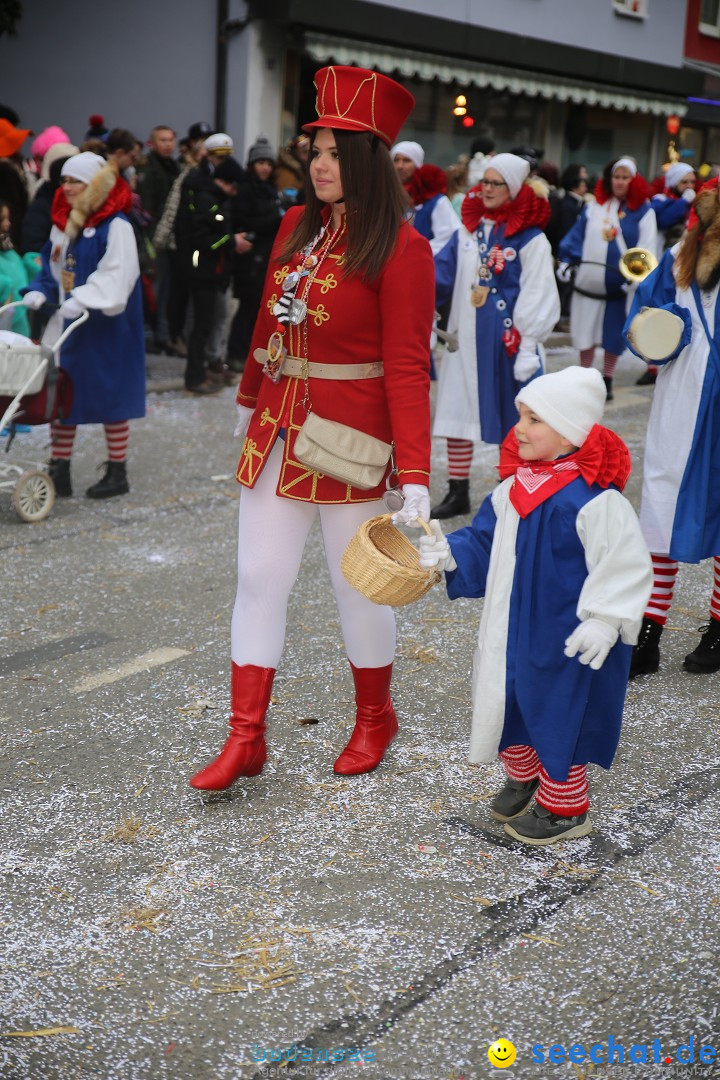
pixel 687 257
pixel 375 205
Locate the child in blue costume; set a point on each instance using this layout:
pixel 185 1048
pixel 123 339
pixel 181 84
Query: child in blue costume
pixel 557 552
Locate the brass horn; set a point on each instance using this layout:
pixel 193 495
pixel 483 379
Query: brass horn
pixel 636 264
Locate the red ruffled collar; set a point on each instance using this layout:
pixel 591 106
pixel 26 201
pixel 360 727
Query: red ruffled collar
pixel 603 459
pixel 638 192
pixel 118 201
pixel 425 183
pixel 525 211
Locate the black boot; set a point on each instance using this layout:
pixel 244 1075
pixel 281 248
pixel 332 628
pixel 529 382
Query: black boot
pixel 647 378
pixel 457 500
pixel 59 473
pixel 646 654
pixel 706 658
pixel 114 482
pixel 608 388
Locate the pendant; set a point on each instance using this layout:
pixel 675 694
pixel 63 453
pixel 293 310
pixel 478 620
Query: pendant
pixel 394 496
pixel 478 295
pixel 291 281
pixel 67 280
pixel 484 273
pixel 297 312
pixel 276 353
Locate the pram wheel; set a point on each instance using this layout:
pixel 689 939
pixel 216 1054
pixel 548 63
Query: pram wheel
pixel 34 495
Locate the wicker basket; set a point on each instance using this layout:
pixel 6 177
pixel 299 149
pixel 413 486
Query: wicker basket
pixel 382 564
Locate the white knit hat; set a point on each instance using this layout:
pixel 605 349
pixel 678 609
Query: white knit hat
pixel 625 163
pixel 570 401
pixel 676 173
pixel 513 169
pixel 412 150
pixel 83 166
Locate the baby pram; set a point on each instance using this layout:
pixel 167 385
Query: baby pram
pixel 33 390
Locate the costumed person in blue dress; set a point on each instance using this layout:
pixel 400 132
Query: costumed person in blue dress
pixel 620 218
pixel 498 269
pixel 426 186
pixel 680 504
pixel 90 263
pixel 557 552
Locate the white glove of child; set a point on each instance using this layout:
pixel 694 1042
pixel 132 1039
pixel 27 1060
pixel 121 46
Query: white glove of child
pixel 417 504
pixel 689 194
pixel 244 412
pixel 435 552
pixel 34 299
pixel 71 308
pixel 526 364
pixel 563 272
pixel 593 639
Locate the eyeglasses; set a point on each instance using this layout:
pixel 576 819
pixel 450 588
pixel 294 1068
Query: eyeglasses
pixel 493 183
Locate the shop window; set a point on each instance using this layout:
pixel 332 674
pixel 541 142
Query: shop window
pixel 636 9
pixel 710 18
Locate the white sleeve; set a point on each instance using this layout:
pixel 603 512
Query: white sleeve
pixel 537 308
pixel 109 286
pixel 620 574
pixel 444 222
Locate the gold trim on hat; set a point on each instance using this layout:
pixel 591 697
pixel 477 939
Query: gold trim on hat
pixel 339 114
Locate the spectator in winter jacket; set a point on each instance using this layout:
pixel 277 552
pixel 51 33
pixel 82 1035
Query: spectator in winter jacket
pixel 37 222
pixel 154 183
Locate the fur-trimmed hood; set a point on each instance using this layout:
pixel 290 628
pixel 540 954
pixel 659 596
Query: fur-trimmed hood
pixel 707 268
pixel 106 194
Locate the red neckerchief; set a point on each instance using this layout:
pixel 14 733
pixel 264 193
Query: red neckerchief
pixel 425 183
pixel 638 192
pixel 603 459
pixel 524 211
pixel 118 201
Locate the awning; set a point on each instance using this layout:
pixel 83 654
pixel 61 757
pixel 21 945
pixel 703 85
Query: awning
pixel 428 66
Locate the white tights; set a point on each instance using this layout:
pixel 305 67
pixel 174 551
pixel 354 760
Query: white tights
pixel 272 536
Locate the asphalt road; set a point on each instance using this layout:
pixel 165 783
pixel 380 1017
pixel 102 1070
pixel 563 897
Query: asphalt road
pixel 148 931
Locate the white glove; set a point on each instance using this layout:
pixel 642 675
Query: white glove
pixel 34 299
pixel 417 504
pixel 526 364
pixel 689 194
pixel 71 308
pixel 435 552
pixel 593 639
pixel 563 272
pixel 244 412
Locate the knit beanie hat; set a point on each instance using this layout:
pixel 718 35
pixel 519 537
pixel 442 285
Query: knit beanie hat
pixel 261 150
pixel 47 138
pixel 676 173
pixel 83 166
pixel 411 150
pixel 230 171
pixel 513 169
pixel 96 128
pixel 570 401
pixel 625 163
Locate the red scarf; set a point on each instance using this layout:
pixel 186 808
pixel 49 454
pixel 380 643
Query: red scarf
pixel 118 201
pixel 425 183
pixel 523 212
pixel 638 192
pixel 602 459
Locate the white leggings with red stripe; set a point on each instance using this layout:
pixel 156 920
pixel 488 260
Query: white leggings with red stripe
pixel 460 455
pixel 567 798
pixel 587 358
pixel 664 574
pixel 117 435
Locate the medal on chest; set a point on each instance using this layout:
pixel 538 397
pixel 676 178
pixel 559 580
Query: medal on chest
pixel 67 274
pixel 478 295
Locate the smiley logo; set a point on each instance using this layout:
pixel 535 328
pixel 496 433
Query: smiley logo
pixel 502 1054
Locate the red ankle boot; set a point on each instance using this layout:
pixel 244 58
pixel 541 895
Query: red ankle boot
pixel 244 751
pixel 375 722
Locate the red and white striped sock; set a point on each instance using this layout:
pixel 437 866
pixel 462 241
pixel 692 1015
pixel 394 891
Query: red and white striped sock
pixel 460 455
pixel 609 365
pixel 520 763
pixel 117 436
pixel 664 574
pixel 715 598
pixel 587 357
pixel 62 438
pixel 566 799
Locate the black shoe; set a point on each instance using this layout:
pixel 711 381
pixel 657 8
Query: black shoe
pixel 457 501
pixel 114 482
pixel 59 473
pixel 206 387
pixel 539 827
pixel 514 799
pixel 608 388
pixel 646 654
pixel 706 658
pixel 647 378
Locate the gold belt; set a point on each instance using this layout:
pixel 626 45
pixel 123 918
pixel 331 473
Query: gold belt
pixel 293 366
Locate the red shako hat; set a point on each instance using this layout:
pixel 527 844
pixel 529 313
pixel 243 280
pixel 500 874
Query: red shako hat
pixel 356 99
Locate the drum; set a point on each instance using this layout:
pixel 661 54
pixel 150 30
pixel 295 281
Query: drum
pixel 655 334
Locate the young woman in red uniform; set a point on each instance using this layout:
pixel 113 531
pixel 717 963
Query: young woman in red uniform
pixel 343 329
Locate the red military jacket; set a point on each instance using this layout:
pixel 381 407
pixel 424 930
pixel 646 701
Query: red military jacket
pixel 348 322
